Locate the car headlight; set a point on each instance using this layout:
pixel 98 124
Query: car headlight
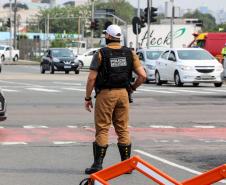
pixel 186 68
pixel 56 60
pixel 150 66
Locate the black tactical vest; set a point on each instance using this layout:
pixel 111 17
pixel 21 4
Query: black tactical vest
pixel 116 68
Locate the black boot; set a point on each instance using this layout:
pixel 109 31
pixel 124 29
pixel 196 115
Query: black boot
pixel 125 151
pixel 99 154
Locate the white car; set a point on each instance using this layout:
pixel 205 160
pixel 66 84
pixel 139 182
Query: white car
pixel 86 58
pixel 5 53
pixel 148 59
pixel 188 65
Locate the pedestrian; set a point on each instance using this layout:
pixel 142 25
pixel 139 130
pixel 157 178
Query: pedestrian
pixel 223 51
pixel 110 74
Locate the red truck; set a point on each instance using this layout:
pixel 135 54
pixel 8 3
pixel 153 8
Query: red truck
pixel 211 41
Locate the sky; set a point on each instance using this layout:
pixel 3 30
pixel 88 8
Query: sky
pixel 186 4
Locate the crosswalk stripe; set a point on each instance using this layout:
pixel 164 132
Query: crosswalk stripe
pixel 43 90
pixel 203 126
pixel 190 91
pixel 151 90
pixel 13 143
pixel 74 89
pixel 9 90
pixel 34 126
pixel 66 83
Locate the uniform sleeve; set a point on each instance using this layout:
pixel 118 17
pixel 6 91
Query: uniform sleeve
pixel 136 61
pixel 96 61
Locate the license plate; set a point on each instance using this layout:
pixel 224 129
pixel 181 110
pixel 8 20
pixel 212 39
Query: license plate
pixel 206 77
pixel 67 67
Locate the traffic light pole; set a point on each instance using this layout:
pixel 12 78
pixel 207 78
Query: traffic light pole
pixel 149 4
pixel 92 20
pixel 10 29
pixel 171 24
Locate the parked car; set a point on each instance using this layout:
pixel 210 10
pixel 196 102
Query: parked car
pixel 148 59
pixel 5 53
pixel 2 107
pixel 188 65
pixel 86 58
pixel 59 59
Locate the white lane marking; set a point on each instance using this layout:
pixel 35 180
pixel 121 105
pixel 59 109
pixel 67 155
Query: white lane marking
pixel 171 163
pixel 19 83
pixel 151 90
pixel 72 126
pixel 13 143
pixel 63 83
pixel 153 174
pixel 34 126
pixel 9 90
pixel 190 91
pixel 1 127
pixel 203 126
pixel 161 126
pixel 64 142
pixel 43 90
pixel 74 89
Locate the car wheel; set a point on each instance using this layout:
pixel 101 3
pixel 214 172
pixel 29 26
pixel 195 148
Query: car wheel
pixel 80 64
pixel 52 69
pixel 0 69
pixel 77 71
pixel 218 84
pixel 2 58
pixel 195 84
pixel 66 72
pixel 177 80
pixel 157 78
pixel 42 70
pixel 15 58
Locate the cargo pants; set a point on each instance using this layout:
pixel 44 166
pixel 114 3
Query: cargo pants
pixel 112 107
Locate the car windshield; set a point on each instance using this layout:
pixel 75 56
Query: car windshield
pixel 153 55
pixel 62 53
pixel 194 55
pixel 2 48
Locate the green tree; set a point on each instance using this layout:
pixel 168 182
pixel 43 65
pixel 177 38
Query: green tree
pixel 209 22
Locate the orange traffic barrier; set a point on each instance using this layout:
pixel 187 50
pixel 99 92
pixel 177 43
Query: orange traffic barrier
pixel 136 163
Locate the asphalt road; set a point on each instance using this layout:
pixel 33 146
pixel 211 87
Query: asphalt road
pixel 46 139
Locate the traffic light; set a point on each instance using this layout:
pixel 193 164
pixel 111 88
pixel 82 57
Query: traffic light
pixel 153 14
pixel 142 21
pixel 8 23
pixel 146 15
pixel 106 24
pixel 199 23
pixel 96 27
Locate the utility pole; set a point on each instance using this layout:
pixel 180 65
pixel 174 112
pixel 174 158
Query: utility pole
pixel 15 23
pixel 149 4
pixel 171 24
pixel 10 30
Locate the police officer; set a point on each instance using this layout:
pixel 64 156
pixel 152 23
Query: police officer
pixel 223 51
pixel 110 74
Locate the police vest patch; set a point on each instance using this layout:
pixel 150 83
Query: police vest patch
pixel 118 62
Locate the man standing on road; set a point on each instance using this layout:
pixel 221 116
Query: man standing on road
pixel 110 73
